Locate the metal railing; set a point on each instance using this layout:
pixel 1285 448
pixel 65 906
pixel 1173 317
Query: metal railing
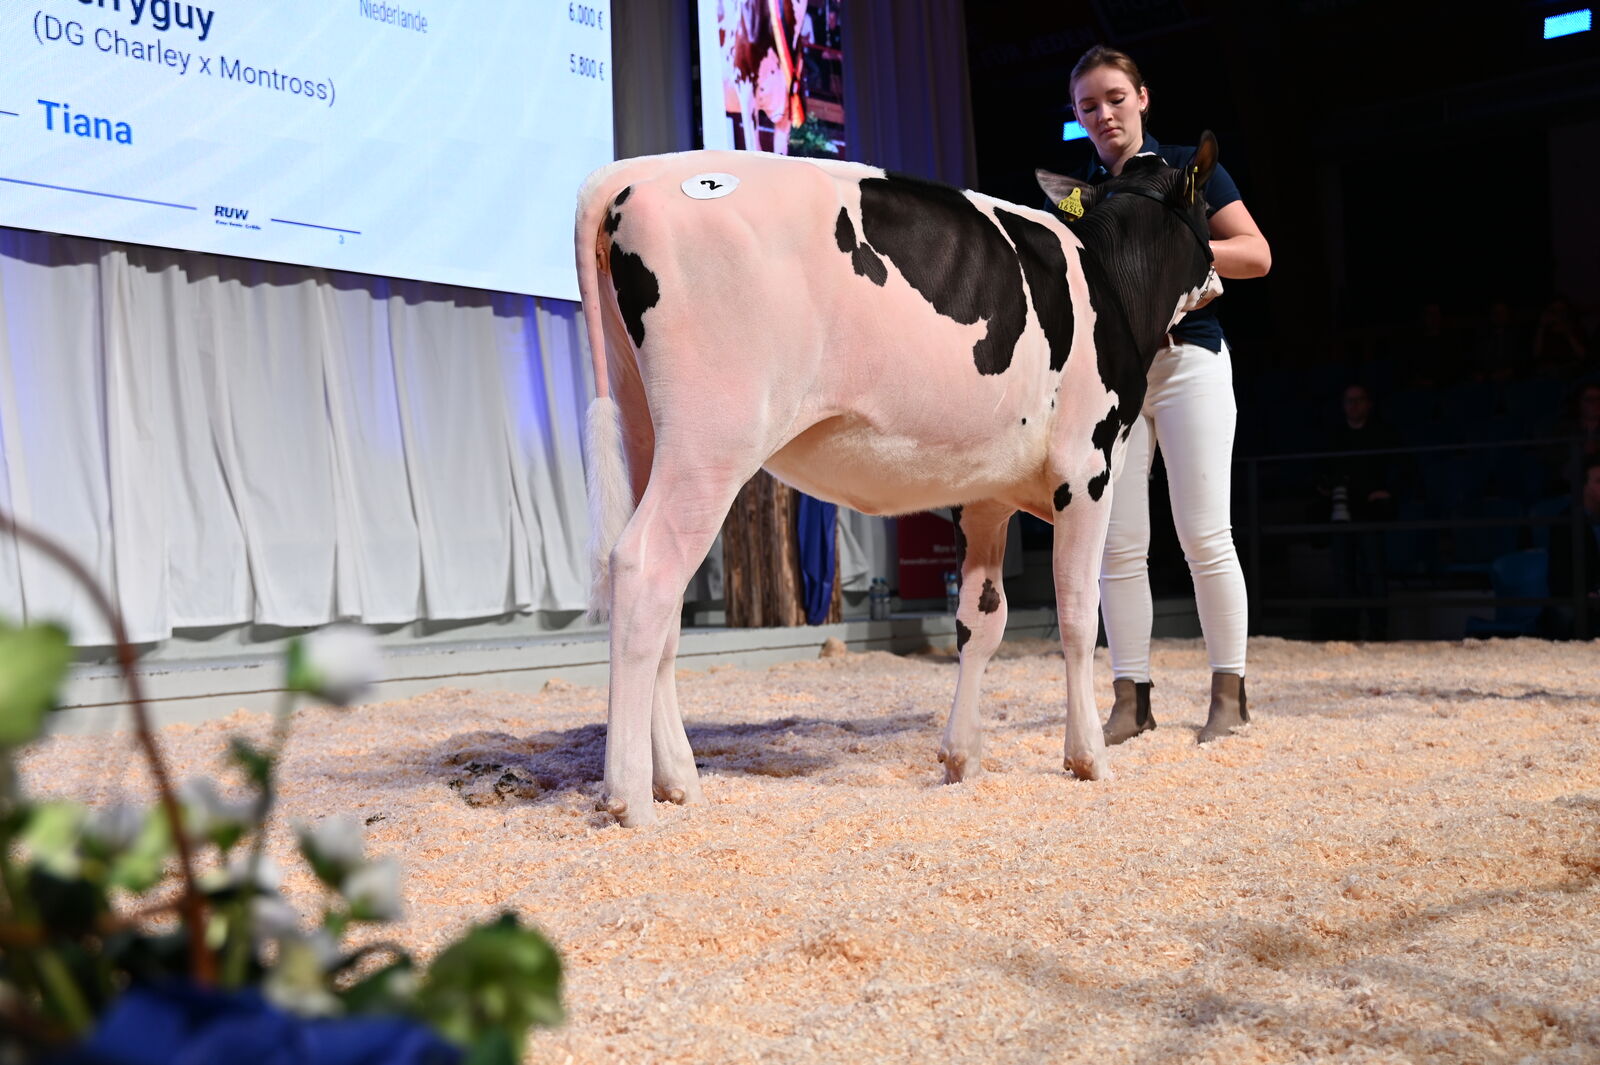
pixel 1256 532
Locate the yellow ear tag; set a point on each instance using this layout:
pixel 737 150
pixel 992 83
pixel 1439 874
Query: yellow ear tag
pixel 1194 179
pixel 1073 204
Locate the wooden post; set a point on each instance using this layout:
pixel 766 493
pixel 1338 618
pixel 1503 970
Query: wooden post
pixel 761 583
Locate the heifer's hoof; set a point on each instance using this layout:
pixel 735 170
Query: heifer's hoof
pixel 959 766
pixel 685 794
pixel 627 816
pixel 1088 767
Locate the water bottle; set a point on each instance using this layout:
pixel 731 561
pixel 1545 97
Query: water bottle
pixel 952 591
pixel 878 599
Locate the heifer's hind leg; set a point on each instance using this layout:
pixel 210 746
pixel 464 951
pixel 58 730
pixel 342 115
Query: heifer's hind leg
pixel 1080 537
pixel 980 623
pixel 666 539
pixel 674 778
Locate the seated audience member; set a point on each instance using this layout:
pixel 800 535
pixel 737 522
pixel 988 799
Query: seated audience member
pixel 1581 420
pixel 1561 554
pixel 1560 348
pixel 1367 480
pixel 1358 487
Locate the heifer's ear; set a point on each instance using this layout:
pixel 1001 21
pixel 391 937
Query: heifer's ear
pixel 1201 166
pixel 1069 195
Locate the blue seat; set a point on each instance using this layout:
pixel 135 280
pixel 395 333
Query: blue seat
pixel 1448 480
pixel 1515 575
pixel 1414 413
pixel 1548 508
pixel 1477 548
pixel 1515 473
pixel 1533 402
pixel 1410 552
pixel 1471 403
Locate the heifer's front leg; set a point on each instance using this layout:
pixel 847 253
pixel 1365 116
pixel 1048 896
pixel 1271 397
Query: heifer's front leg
pixel 650 567
pixel 1080 538
pixel 980 623
pixel 675 778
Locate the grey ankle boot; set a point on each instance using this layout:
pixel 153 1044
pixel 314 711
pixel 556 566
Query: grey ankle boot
pixel 1229 707
pixel 1130 714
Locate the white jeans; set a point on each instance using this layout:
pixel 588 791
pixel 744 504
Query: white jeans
pixel 1189 413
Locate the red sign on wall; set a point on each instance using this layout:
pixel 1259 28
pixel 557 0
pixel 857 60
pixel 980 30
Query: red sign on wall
pixel 927 552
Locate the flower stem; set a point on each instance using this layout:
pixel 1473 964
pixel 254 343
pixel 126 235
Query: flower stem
pixel 53 978
pixel 241 937
pixel 202 965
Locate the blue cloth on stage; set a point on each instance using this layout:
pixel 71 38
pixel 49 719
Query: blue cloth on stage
pixel 180 1025
pixel 819 555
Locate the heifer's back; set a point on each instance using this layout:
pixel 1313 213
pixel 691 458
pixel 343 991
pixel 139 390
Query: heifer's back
pixel 868 335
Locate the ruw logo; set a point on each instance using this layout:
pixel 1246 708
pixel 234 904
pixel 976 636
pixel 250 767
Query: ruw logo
pixel 240 213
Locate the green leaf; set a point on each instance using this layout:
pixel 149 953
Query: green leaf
pixel 33 662
pixel 256 763
pixel 494 1047
pixel 298 675
pixel 388 991
pixel 499 977
pixel 51 835
pixel 140 867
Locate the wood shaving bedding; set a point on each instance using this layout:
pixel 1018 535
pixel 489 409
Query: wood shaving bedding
pixel 1399 861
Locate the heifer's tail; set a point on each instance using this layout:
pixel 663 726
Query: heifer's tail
pixel 610 497
pixel 611 500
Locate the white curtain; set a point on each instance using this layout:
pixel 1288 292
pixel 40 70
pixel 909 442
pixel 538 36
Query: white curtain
pixel 226 441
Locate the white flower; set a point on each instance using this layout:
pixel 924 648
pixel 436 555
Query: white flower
pixel 332 846
pixel 268 876
pixel 298 982
pixel 373 891
pixel 337 663
pixel 113 830
pixel 211 817
pixel 274 918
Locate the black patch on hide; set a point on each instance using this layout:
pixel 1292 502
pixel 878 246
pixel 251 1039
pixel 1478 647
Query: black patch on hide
pixel 863 259
pixel 637 290
pixel 1063 496
pixel 1123 369
pixel 613 219
pixel 963 634
pixel 953 255
pixel 989 601
pixel 1105 435
pixel 1044 265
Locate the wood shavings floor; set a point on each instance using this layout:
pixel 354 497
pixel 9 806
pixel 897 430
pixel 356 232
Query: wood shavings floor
pixel 1398 862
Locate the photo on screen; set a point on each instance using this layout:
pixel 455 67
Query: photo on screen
pixel 772 76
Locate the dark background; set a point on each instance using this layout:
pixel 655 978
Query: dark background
pixel 1394 154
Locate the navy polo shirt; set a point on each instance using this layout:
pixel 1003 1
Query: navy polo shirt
pixel 1198 327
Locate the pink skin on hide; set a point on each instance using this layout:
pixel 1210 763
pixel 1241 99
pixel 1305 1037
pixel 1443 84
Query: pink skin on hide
pixel 765 347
